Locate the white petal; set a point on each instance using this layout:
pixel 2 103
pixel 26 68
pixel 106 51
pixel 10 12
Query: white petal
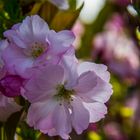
pixel 7 107
pixel 99 69
pixel 79 116
pixel 62 121
pixel 96 110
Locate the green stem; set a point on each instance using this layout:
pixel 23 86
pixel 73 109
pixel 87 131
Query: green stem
pixel 2 133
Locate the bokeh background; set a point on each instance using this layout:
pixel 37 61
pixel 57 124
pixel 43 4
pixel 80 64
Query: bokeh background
pixel 107 31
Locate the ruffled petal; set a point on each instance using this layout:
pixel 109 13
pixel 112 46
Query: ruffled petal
pixel 32 29
pixel 16 61
pixel 62 121
pixel 79 116
pixel 86 82
pixel 39 27
pixel 50 118
pixel 101 92
pixel 3 44
pixel 40 115
pixel 99 69
pixel 44 83
pixel 96 110
pixel 7 107
pixel 70 63
pixel 61 41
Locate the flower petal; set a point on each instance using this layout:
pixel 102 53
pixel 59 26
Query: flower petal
pixel 7 107
pixel 61 41
pixel 70 63
pixel 96 110
pixel 101 92
pixel 79 116
pixel 86 82
pixel 63 127
pixel 44 83
pixel 39 27
pixel 32 29
pixel 99 69
pixel 39 115
pixel 3 44
pixel 16 61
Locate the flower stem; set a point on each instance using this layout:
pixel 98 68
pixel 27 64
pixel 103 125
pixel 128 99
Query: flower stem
pixel 2 134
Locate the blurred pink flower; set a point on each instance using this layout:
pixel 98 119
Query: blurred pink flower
pixel 113 132
pixel 7 107
pixel 32 43
pixel 57 105
pixel 133 102
pixel 117 49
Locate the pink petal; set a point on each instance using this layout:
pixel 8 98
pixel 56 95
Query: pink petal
pixel 101 92
pixel 99 69
pixel 96 110
pixel 70 63
pixel 7 107
pixel 39 28
pixel 61 41
pixel 16 61
pixel 31 30
pixel 47 117
pixel 86 82
pixel 39 115
pixel 3 44
pixel 63 127
pixel 79 116
pixel 44 82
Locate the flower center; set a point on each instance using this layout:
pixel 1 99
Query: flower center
pixel 37 49
pixel 64 94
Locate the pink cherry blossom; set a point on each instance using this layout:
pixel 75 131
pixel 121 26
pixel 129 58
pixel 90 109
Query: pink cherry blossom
pixel 7 107
pixel 32 43
pixel 57 106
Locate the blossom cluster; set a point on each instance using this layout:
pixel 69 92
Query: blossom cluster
pixel 40 65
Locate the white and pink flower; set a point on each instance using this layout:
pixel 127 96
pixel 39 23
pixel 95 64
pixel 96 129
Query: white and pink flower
pixel 32 43
pixel 57 106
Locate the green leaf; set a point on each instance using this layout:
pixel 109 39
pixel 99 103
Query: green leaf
pixel 72 4
pixel 136 4
pixel 11 124
pixel 65 19
pixel 12 7
pixel 45 9
pixel 26 132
